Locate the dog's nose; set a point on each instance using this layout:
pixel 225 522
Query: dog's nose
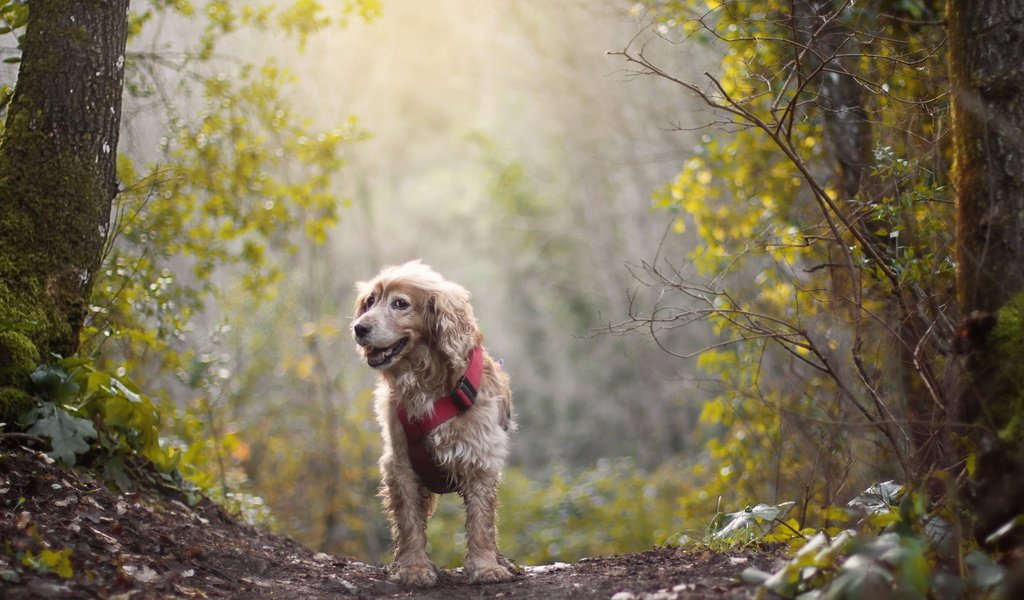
pixel 361 330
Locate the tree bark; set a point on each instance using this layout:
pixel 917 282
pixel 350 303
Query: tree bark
pixel 839 97
pixel 986 46
pixel 986 59
pixel 57 166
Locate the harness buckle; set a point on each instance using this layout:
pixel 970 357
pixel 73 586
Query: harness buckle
pixel 464 394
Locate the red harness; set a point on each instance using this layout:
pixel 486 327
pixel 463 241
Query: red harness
pixel 446 407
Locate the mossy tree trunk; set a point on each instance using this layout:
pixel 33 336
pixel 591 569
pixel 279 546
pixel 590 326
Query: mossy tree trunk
pixel 986 51
pixel 57 167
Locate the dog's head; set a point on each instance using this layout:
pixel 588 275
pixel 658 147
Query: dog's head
pixel 409 309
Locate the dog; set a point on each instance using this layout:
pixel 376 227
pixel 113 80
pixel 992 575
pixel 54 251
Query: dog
pixel 444 407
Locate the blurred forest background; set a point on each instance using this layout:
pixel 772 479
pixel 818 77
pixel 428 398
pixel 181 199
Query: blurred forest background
pixel 277 162
pixel 711 241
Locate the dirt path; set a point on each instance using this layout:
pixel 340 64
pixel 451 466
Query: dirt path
pixel 150 546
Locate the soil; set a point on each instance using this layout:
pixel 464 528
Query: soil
pixel 152 545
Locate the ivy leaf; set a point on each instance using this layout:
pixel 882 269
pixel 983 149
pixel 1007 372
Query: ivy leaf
pixel 67 434
pixel 53 382
pixel 47 378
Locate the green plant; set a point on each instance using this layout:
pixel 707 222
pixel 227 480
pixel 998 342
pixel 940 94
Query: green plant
pixel 762 523
pixel 898 549
pixel 88 413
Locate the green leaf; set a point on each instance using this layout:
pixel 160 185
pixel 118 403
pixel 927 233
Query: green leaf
pixel 66 391
pixel 859 577
pixel 115 469
pixel 72 362
pixel 879 498
pixel 97 381
pixel 985 572
pixel 125 391
pixel 742 520
pixel 47 378
pixel 67 434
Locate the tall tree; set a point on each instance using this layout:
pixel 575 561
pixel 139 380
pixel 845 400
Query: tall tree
pixel 57 166
pixel 986 58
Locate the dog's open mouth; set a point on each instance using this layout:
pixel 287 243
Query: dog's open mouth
pixel 378 357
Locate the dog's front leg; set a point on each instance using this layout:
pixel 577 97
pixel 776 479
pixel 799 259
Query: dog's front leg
pixel 408 506
pixel 481 499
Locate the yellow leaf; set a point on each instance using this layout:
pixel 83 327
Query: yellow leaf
pixel 883 519
pixel 834 513
pixel 50 561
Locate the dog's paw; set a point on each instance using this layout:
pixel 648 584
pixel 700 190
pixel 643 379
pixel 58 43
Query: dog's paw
pixel 488 573
pixel 418 575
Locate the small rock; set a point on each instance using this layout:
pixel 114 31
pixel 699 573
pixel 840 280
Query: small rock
pixel 546 568
pixel 345 584
pixel 385 588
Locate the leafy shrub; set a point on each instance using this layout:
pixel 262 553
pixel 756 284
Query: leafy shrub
pixel 87 413
pixel 899 550
pixel 611 508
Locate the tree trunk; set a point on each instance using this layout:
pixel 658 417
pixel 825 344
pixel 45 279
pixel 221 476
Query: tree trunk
pixel 986 45
pixel 986 58
pixel 57 167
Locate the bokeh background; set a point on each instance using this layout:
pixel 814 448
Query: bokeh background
pixel 274 153
pixel 503 145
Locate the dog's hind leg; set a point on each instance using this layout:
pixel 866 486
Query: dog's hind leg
pixel 481 498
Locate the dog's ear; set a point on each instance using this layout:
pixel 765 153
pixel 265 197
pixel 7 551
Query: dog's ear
pixel 363 289
pixel 451 322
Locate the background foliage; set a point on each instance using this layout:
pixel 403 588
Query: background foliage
pixel 247 212
pixel 751 354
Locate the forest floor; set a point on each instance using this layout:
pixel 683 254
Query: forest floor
pixel 152 545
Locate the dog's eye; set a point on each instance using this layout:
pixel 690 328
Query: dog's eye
pixel 368 302
pixel 399 304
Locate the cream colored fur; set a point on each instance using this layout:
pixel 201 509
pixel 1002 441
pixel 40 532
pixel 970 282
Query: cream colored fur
pixel 433 316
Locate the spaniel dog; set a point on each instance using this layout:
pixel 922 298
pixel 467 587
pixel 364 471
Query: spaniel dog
pixel 445 412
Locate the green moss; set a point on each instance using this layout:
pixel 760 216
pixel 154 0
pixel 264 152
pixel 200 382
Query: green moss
pixel 1004 383
pixel 41 265
pixel 14 402
pixel 31 311
pixel 18 358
